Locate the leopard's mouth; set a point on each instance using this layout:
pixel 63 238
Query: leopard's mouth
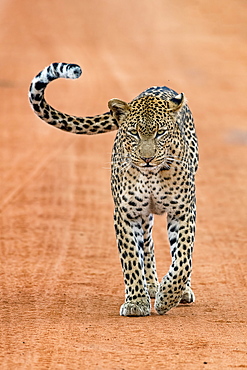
pixel 148 165
pixel 155 166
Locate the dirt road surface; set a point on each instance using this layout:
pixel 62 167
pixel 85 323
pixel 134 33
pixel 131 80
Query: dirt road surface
pixel 60 276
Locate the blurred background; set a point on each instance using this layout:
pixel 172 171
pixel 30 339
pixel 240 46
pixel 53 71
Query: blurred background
pixel 60 271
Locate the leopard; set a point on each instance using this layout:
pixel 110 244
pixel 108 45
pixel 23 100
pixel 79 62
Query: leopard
pixel 153 166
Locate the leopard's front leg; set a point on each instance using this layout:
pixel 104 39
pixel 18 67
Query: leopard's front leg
pixel 130 241
pixel 149 258
pixel 175 286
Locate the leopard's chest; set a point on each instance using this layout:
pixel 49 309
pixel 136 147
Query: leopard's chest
pixel 142 194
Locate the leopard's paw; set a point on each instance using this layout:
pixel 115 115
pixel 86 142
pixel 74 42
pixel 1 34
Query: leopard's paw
pixel 166 299
pixel 139 307
pixel 188 296
pixel 164 304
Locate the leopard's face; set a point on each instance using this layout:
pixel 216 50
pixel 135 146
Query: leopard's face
pixel 148 150
pixel 150 136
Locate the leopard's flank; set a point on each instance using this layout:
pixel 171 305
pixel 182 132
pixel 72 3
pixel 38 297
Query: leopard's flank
pixel 154 161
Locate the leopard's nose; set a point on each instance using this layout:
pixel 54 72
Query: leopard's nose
pixel 147 160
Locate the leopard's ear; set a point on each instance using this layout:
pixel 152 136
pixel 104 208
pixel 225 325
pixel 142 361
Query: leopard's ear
pixel 177 102
pixel 118 108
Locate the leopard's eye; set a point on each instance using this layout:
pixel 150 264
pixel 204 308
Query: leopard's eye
pixel 160 132
pixel 133 132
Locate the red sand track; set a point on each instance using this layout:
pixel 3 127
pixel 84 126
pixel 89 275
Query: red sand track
pixel 60 277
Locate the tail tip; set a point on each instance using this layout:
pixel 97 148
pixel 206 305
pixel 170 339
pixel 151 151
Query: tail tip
pixel 73 71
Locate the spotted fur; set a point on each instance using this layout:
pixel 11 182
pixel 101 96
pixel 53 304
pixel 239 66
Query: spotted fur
pixel 78 125
pixel 154 161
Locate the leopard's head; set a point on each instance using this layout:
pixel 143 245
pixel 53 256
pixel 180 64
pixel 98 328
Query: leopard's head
pixel 151 137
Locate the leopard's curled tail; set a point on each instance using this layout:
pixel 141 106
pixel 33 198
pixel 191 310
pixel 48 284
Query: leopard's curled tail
pixel 79 125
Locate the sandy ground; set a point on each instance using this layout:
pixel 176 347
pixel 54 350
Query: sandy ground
pixel 60 276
